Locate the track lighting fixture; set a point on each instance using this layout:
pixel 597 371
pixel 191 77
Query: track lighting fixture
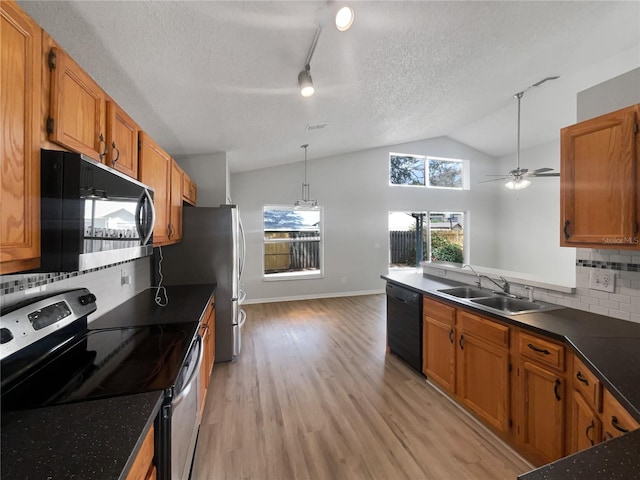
pixel 344 18
pixel 305 83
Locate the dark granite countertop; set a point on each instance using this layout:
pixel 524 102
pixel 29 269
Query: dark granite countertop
pixel 186 303
pixel 87 440
pixel 615 459
pixel 610 347
pixel 96 439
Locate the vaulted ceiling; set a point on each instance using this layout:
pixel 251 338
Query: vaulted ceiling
pixel 213 76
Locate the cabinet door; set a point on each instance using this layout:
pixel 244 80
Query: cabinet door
pixel 175 218
pixel 439 353
pixel 77 109
pixel 189 190
pixel 586 428
pixel 599 180
pixel 20 44
pixel 483 379
pixel 616 421
pixel 155 171
pixel 542 405
pixel 122 140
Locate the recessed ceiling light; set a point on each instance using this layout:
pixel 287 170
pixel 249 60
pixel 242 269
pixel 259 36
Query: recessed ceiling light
pixel 344 18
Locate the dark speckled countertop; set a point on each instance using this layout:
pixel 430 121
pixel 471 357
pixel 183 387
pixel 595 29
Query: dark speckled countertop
pixel 611 347
pixel 88 440
pixel 97 439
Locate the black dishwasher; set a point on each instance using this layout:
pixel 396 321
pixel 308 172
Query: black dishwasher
pixel 404 324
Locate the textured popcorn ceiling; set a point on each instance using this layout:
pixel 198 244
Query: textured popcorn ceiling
pixel 215 76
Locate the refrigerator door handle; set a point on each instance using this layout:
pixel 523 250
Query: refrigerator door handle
pixel 243 295
pixel 243 244
pixel 243 318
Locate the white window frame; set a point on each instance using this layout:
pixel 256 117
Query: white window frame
pixel 276 277
pixel 466 175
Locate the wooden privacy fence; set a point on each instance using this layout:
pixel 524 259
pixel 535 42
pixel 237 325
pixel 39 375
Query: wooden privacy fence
pixel 403 244
pixel 288 255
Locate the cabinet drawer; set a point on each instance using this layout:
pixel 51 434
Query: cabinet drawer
pixel 439 311
pixel 483 328
pixel 616 420
pixel 587 384
pixel 541 350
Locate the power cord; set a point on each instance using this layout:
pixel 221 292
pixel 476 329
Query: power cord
pixel 161 291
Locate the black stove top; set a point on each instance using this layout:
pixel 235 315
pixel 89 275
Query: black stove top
pixel 103 363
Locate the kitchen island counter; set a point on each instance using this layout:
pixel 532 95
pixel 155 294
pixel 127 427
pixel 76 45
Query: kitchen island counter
pixel 609 346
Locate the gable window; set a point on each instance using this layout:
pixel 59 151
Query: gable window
pixel 426 171
pixel 292 242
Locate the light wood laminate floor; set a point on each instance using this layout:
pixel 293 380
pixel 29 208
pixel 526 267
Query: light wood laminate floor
pixel 314 396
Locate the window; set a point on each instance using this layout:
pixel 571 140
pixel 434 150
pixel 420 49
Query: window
pixel 431 172
pixel 420 236
pixel 292 242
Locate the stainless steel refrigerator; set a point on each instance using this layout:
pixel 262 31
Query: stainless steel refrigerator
pixel 212 251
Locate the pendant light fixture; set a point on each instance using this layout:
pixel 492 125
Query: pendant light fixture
pixel 305 202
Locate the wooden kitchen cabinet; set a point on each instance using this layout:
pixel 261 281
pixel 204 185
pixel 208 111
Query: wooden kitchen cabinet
pixel 122 141
pixel 77 117
pixel 208 333
pixel 143 467
pixel 586 427
pixel 616 421
pixel 175 203
pixel 482 381
pixel 189 190
pixel 155 171
pixel 599 181
pixel 439 344
pixel 20 77
pixel 540 397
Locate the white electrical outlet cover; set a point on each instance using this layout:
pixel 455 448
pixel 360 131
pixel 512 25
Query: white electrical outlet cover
pixel 603 280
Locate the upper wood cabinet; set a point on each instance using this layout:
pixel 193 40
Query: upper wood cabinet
pixel 189 190
pixel 175 213
pixel 599 181
pixel 20 79
pixel 155 171
pixel 122 141
pixel 77 108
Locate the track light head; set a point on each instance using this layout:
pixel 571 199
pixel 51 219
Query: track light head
pixel 344 18
pixel 305 83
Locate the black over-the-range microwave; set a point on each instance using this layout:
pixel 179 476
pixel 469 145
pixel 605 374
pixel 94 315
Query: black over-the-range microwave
pixel 91 215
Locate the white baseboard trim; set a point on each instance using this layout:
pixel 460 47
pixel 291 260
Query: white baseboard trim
pixel 313 296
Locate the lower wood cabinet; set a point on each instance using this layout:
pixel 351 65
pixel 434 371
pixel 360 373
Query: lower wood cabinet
pixel 616 421
pixel 208 333
pixel 439 344
pixel 541 405
pixel 527 388
pixel 482 382
pixel 586 427
pixel 143 467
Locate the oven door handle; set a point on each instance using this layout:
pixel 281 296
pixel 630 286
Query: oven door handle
pixel 194 375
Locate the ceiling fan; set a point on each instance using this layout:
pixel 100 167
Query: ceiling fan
pixel 518 177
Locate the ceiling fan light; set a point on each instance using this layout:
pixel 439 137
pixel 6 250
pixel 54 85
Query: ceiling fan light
pixel 344 18
pixel 517 184
pixel 305 83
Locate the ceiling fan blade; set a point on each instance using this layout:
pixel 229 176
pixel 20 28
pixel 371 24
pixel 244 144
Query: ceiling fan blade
pixel 494 179
pixel 540 170
pixel 545 175
pixel 500 175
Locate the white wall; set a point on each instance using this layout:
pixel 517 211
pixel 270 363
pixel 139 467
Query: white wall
pixel 529 219
pixel 355 193
pixel 211 174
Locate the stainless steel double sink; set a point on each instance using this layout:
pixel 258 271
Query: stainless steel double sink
pixel 497 301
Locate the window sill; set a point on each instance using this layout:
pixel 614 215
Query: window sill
pixel 277 277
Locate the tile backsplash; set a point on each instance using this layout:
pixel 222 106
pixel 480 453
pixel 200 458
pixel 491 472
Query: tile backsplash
pixel 105 283
pixel 623 303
